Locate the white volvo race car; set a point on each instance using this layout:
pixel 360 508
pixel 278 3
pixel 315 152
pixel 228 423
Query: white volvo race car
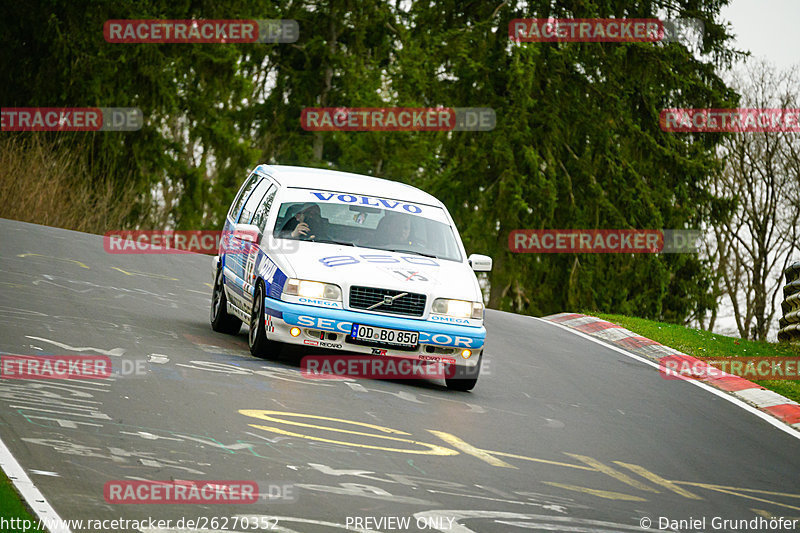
pixel 348 262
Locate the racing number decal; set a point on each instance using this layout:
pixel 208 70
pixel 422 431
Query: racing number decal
pixel 249 268
pixel 409 275
pixel 339 260
pixel 379 258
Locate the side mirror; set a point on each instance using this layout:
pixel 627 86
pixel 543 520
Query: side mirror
pixel 480 263
pixel 247 232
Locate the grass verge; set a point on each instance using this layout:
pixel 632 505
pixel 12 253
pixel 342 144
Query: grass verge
pixel 51 184
pixel 704 344
pixel 12 506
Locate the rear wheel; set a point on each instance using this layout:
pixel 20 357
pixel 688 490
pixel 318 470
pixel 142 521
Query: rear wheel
pixel 260 346
pixel 464 378
pixel 220 319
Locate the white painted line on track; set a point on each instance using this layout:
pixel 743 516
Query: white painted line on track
pixel 34 498
pixel 45 473
pixel 722 394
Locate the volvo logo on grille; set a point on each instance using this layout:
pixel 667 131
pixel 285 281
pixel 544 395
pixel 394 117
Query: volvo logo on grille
pixel 387 300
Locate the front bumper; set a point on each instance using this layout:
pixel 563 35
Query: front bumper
pixel 330 329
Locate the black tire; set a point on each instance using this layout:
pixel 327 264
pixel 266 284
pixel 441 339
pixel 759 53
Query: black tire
pixel 220 319
pixel 257 340
pixel 464 379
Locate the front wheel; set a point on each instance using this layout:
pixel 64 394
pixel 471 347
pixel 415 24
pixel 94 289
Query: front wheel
pixel 464 379
pixel 257 340
pixel 220 319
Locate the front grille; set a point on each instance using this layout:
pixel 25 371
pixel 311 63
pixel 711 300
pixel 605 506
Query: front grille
pixel 412 304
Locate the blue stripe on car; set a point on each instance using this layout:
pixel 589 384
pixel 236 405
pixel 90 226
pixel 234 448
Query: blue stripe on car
pixel 341 321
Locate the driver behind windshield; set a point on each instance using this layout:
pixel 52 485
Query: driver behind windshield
pixel 307 224
pixel 394 229
pixel 401 229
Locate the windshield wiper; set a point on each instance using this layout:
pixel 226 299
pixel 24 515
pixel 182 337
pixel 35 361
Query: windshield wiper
pixel 400 251
pixel 331 241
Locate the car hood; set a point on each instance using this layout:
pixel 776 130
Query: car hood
pixel 348 265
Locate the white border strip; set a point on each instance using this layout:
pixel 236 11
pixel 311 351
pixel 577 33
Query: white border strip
pixel 33 497
pixel 722 394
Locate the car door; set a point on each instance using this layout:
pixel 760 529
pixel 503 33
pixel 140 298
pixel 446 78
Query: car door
pixel 239 292
pixel 256 252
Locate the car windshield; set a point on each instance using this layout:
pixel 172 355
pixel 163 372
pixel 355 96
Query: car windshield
pixel 368 227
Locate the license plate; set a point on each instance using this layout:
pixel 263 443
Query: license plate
pixel 384 335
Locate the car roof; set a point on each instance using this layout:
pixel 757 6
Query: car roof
pixel 346 182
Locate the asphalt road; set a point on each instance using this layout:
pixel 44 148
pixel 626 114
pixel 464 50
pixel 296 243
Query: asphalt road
pixel 560 434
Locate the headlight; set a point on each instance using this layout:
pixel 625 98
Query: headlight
pixel 312 289
pixel 457 308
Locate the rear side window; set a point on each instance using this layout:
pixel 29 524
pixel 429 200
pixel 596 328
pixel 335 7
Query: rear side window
pixel 243 195
pixel 252 203
pixel 260 218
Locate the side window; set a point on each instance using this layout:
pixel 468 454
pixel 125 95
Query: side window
pixel 243 194
pixel 252 202
pixel 260 218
